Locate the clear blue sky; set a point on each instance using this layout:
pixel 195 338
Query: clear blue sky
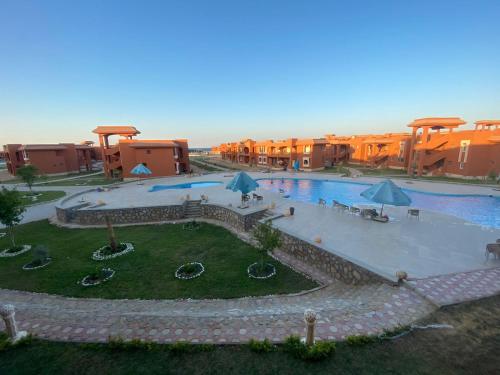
pixel 213 71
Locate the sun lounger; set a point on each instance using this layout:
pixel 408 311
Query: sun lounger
pixel 322 202
pixel 204 198
pixel 368 213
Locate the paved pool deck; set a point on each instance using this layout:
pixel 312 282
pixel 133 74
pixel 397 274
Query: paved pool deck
pixel 437 244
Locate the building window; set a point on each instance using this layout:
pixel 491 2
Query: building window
pixel 305 162
pixel 307 150
pixel 464 151
pixel 148 151
pixel 461 165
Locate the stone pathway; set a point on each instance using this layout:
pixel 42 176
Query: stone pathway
pixel 342 310
pixel 459 287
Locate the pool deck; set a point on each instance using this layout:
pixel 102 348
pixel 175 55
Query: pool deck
pixel 437 244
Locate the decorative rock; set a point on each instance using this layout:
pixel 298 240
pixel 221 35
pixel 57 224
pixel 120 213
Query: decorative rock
pixel 7 312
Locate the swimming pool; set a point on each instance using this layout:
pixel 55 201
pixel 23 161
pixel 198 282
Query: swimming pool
pixel 479 209
pixel 188 185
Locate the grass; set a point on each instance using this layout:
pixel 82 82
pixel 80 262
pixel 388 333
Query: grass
pixel 148 272
pixel 95 179
pixel 470 348
pixel 45 196
pixel 203 166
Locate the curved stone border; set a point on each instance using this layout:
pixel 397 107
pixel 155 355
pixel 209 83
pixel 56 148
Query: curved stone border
pixel 96 255
pixel 87 284
pixel 261 277
pixel 179 276
pixel 25 268
pixel 5 254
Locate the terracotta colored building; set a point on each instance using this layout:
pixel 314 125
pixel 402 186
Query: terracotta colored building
pixel 162 157
pixel 277 154
pixel 49 159
pixel 435 146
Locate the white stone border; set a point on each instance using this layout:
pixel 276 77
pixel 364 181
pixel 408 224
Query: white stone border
pixel 96 255
pixel 261 277
pixel 86 284
pixel 5 254
pixel 38 267
pixel 179 276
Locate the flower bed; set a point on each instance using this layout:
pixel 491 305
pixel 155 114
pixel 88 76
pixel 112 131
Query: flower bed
pixel 12 252
pixel 189 271
pixel 97 278
pixel 36 264
pixel 254 271
pixel 106 252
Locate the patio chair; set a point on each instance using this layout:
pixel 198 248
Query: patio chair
pixel 368 213
pixel 413 212
pixel 258 197
pixel 354 209
pixel 204 198
pixel 493 248
pixel 322 202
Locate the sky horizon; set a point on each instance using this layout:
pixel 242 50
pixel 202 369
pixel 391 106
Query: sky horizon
pixel 222 71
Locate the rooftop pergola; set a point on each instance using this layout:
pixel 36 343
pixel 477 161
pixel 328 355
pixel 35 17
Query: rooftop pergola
pixel 436 123
pixel 487 124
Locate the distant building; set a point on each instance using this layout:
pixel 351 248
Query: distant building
pixel 162 157
pixel 49 159
pixel 434 147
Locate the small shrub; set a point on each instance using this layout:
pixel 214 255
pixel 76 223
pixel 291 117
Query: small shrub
pixel 359 340
pixel 206 347
pixel 391 333
pixel 316 352
pixel 181 347
pixel 261 346
pixel 118 343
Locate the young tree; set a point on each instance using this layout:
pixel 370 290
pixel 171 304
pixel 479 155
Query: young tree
pixel 267 238
pixel 28 174
pixel 11 209
pixel 111 233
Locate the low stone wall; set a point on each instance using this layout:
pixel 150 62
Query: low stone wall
pixel 243 222
pixel 120 215
pixel 337 267
pixel 77 215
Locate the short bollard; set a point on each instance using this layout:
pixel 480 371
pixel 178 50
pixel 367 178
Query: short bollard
pixel 310 319
pixel 8 313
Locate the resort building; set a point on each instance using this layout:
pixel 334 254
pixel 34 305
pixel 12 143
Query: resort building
pixel 49 159
pixel 162 157
pixel 310 153
pixel 434 147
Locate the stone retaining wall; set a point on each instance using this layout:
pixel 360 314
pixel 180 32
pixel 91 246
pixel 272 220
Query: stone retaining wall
pixel 120 215
pixel 77 215
pixel 243 222
pixel 337 267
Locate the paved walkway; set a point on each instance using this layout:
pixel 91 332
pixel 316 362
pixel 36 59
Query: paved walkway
pixel 459 287
pixel 342 311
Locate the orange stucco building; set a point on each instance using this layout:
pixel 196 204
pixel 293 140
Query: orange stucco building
pixel 162 157
pixel 435 146
pixel 49 159
pixel 277 154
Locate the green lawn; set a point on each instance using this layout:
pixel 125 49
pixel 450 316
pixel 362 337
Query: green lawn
pixel 95 179
pixel 203 165
pixel 471 347
pixel 148 272
pixel 45 196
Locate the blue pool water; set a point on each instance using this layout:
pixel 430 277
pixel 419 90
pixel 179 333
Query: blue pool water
pixel 189 185
pixel 479 209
